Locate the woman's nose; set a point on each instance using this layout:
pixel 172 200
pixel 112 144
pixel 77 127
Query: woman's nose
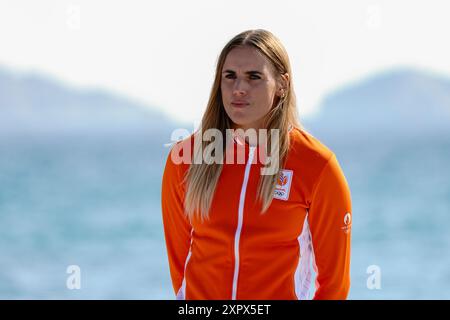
pixel 240 87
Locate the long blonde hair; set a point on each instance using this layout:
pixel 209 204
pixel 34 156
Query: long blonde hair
pixel 201 179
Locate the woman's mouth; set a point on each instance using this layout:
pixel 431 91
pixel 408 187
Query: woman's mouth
pixel 239 104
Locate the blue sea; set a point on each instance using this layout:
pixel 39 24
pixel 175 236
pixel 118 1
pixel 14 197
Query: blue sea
pixel 95 203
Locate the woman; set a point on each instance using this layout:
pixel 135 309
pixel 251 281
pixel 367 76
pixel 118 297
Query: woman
pixel 234 232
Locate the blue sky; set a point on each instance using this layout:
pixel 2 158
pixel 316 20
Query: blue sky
pixel 164 53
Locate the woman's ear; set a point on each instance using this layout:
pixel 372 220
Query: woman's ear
pixel 283 84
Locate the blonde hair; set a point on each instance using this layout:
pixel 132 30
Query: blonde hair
pixel 201 179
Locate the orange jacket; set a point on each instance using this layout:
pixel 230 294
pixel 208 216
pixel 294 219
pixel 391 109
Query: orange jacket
pixel 239 253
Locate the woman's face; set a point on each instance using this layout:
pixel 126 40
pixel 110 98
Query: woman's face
pixel 248 87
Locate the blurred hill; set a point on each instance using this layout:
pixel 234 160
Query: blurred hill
pixel 400 103
pixel 34 105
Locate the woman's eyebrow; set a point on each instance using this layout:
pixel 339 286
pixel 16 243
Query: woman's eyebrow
pixel 247 72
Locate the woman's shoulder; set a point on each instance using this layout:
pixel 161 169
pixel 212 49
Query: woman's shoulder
pixel 308 149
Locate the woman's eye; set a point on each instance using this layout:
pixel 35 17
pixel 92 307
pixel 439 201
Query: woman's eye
pixel 252 77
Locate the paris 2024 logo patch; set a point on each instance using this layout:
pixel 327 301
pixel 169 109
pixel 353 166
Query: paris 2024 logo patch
pixel 347 223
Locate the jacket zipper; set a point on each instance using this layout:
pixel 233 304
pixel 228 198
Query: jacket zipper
pixel 240 219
